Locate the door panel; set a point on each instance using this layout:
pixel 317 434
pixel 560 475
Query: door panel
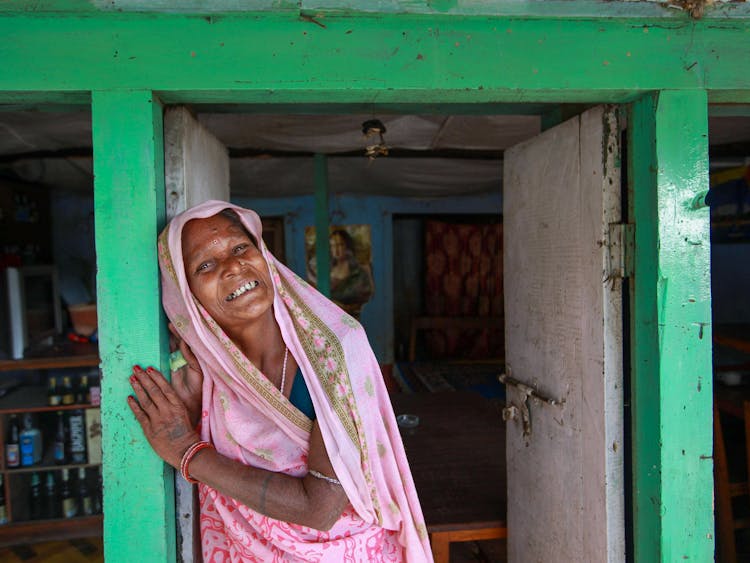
pixel 196 164
pixel 563 338
pixel 196 169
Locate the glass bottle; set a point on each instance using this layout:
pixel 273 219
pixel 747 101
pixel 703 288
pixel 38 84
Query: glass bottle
pixel 76 437
pixel 31 442
pixel 60 449
pixel 98 493
pixel 68 396
pixel 85 501
pixel 35 497
pixel 53 394
pixel 51 502
pixel 82 390
pixel 67 500
pixel 3 509
pixel 13 443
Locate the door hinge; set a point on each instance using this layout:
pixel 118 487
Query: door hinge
pixel 620 245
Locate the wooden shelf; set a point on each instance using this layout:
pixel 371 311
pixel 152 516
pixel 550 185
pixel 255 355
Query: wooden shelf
pixel 62 355
pixel 19 398
pixel 49 363
pixel 42 467
pixel 33 398
pixel 30 531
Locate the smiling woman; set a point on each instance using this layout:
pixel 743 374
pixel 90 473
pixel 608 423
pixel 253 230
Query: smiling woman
pixel 228 275
pixel 296 454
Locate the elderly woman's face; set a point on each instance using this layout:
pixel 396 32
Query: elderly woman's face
pixel 226 272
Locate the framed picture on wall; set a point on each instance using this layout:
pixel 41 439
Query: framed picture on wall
pixel 352 284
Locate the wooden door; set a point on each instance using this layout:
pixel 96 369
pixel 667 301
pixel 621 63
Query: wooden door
pixel 196 169
pixel 561 201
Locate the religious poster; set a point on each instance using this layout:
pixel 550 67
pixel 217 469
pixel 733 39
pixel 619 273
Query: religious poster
pixel 352 283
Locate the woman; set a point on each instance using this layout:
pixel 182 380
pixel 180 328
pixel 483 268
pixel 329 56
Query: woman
pixel 275 483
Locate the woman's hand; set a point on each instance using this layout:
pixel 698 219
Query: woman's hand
pixel 162 415
pixel 187 381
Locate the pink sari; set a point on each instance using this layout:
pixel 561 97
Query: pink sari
pixel 249 420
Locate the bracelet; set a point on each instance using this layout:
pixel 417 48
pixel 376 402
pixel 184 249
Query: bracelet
pixel 188 456
pixel 325 478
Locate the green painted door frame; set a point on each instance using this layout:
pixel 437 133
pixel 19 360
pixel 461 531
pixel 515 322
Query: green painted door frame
pixel 672 390
pixel 126 65
pixel 129 212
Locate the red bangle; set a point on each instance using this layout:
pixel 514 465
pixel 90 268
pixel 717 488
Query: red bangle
pixel 188 456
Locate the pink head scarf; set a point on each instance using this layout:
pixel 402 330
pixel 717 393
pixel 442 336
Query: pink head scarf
pixel 248 419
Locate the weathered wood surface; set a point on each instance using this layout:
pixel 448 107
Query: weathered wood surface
pixel 563 338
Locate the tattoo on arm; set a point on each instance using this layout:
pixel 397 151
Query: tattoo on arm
pixel 263 491
pixel 177 432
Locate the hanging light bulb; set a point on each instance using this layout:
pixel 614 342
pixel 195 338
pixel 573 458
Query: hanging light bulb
pixel 370 128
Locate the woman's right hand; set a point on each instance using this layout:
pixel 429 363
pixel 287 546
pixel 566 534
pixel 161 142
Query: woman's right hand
pixel 187 381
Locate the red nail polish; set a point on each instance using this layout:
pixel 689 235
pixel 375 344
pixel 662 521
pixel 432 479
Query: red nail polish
pixel 132 379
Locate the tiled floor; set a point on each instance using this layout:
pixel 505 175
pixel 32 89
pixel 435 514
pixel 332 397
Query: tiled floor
pixel 89 550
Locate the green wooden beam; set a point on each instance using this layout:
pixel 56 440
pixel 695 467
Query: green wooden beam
pixel 282 58
pixel 44 101
pixel 129 211
pixel 322 246
pixel 671 329
pixel 320 8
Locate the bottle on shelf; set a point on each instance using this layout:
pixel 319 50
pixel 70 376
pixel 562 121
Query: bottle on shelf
pixel 31 442
pixel 85 499
pixel 98 491
pixel 60 450
pixel 3 509
pixel 95 390
pixel 51 501
pixel 13 443
pixel 68 395
pixel 35 497
pixel 53 393
pixel 67 500
pixel 77 437
pixel 82 390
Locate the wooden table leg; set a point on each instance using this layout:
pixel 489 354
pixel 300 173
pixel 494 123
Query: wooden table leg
pixel 441 541
pixel 441 546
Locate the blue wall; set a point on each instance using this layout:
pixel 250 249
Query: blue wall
pixel 377 211
pixel 73 245
pixel 72 234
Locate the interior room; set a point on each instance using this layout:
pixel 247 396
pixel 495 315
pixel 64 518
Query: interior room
pixel 429 169
pixel 729 200
pixel 419 199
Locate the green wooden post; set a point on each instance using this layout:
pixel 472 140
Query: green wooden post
pixel 322 246
pixel 671 305
pixel 129 210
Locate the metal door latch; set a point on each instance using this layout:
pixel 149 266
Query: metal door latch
pixel 512 411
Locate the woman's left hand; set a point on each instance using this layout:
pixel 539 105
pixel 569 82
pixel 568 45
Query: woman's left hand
pixel 162 415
